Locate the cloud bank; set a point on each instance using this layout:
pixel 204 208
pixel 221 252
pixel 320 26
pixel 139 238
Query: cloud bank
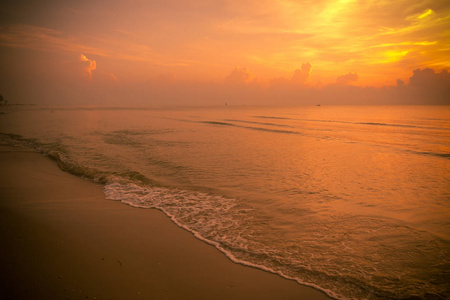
pixel 86 82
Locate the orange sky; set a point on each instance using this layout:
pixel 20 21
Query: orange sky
pixel 311 43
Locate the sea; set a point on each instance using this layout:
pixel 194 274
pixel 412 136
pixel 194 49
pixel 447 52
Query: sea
pixel 351 200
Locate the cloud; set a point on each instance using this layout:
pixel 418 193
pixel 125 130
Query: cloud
pixel 302 75
pixel 87 66
pixel 428 86
pixel 50 40
pixel 347 78
pixel 239 76
pixel 427 78
pixel 43 39
pixel 83 68
pixel 279 82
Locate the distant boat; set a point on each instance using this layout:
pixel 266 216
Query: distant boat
pixel 317 104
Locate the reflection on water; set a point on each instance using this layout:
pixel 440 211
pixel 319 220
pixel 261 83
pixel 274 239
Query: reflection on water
pixel 352 200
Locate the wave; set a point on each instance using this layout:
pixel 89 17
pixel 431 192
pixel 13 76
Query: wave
pixel 272 130
pixel 251 128
pixel 226 224
pixel 399 125
pixel 236 228
pixel 435 154
pixel 60 155
pixel 260 123
pixel 275 118
pixel 357 123
pixel 217 123
pixel 217 220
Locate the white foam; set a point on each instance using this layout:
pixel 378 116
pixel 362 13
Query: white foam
pixel 216 220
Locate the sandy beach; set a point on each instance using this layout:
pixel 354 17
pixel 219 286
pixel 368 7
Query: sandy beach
pixel 61 239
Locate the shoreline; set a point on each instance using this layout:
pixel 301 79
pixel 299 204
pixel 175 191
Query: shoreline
pixel 62 239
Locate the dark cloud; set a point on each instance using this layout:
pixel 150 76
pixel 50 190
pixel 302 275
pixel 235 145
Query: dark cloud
pixel 427 78
pixel 428 86
pixel 239 76
pixel 400 83
pixel 347 78
pixel 302 75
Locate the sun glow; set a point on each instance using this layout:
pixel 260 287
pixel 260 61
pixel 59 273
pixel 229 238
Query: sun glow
pixel 202 41
pixel 393 55
pixel 426 14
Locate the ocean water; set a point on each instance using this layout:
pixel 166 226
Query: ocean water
pixel 354 201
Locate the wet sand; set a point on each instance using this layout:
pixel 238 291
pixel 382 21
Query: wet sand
pixel 61 239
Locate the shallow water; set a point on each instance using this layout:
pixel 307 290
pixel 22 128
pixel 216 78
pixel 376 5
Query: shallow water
pixel 351 200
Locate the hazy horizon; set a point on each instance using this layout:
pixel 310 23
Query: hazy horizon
pixel 150 53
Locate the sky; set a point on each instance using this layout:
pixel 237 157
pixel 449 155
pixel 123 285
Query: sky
pixel 204 52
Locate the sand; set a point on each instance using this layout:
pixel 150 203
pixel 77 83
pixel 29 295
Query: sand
pixel 61 239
